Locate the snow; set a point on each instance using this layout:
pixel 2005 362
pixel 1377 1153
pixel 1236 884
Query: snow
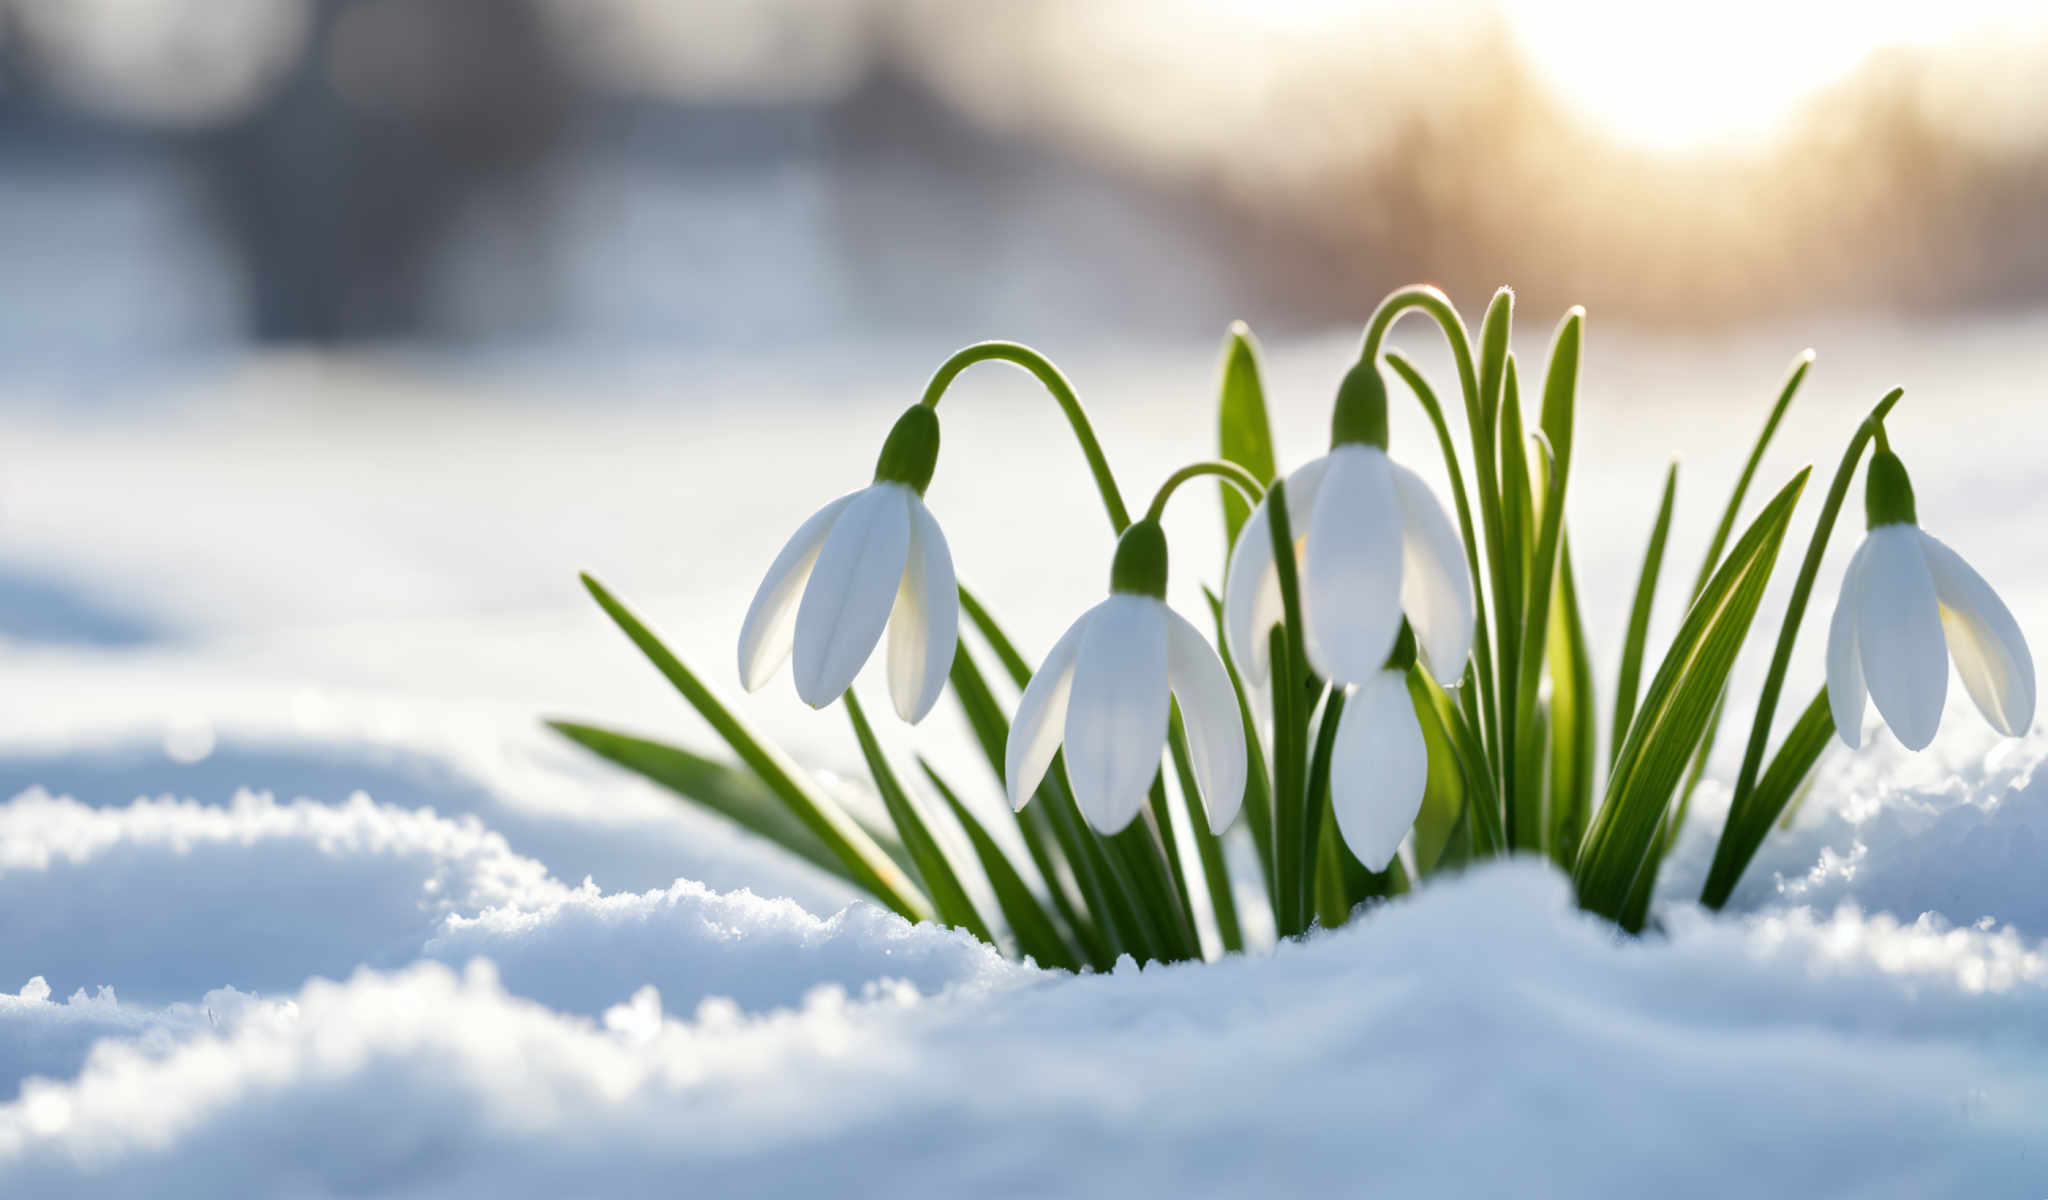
pixel 298 897
pixel 1408 1050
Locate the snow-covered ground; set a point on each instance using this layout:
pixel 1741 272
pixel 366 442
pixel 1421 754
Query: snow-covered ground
pixel 297 897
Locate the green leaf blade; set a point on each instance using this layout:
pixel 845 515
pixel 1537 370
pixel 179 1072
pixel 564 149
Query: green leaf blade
pixel 1750 820
pixel 1636 640
pixel 735 795
pixel 866 862
pixel 1035 933
pixel 940 879
pixel 1244 434
pixel 1675 713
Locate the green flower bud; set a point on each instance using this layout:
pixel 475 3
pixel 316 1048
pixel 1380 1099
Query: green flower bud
pixel 1140 563
pixel 1360 415
pixel 1888 493
pixel 912 451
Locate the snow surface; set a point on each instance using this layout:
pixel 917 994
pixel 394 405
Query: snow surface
pixel 297 898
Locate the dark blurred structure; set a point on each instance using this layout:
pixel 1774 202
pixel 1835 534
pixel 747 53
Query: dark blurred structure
pixel 339 189
pixel 195 173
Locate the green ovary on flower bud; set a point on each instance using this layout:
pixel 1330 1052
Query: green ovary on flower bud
pixel 1360 415
pixel 1888 493
pixel 1140 564
pixel 912 451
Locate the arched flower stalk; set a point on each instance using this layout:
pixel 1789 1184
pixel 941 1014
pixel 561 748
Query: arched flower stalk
pixel 1428 671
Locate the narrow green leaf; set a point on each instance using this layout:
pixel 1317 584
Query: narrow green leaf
pixel 1295 691
pixel 1111 872
pixel 1795 611
pixel 1638 636
pixel 1529 756
pixel 1676 709
pixel 1164 869
pixel 954 906
pixel 1483 414
pixel 1443 794
pixel 1554 442
pixel 1721 531
pixel 1329 896
pixel 1061 875
pixel 867 863
pixel 1243 433
pixel 1035 933
pixel 1482 639
pixel 1133 858
pixel 1790 388
pixel 1208 847
pixel 734 794
pixel 1790 768
pixel 1258 787
pixel 1524 814
pixel 1062 845
pixel 1574 717
pixel 998 641
pixel 1488 837
pixel 1561 383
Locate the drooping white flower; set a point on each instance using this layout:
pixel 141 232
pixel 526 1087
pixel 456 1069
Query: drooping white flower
pixel 1371 543
pixel 1908 605
pixel 870 559
pixel 1103 694
pixel 1379 767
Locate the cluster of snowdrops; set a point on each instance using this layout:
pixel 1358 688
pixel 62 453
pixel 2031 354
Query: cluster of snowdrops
pixel 1390 690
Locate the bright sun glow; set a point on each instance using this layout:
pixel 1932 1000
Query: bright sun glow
pixel 1674 77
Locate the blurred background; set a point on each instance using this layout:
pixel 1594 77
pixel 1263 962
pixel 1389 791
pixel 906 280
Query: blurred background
pixel 337 335
pixel 187 177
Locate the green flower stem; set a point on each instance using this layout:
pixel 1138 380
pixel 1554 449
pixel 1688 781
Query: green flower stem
pixel 1294 689
pixel 1482 643
pixel 1721 878
pixel 1062 391
pixel 1207 845
pixel 1479 421
pixel 1229 472
pixel 1121 856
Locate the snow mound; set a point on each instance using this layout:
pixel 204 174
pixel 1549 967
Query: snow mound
pixel 162 900
pixel 166 899
pixel 586 950
pixel 1483 1038
pixel 39 1036
pixel 1959 830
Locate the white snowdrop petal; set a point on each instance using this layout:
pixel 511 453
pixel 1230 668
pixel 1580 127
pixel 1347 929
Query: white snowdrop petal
pixel 1379 766
pixel 770 625
pixel 1041 717
pixel 1251 597
pixel 1351 573
pixel 1208 709
pixel 1436 587
pixel 853 586
pixel 1898 635
pixel 924 627
pixel 1116 717
pixel 1845 665
pixel 1251 585
pixel 1990 651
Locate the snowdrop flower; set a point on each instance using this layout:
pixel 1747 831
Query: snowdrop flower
pixel 1379 763
pixel 1908 604
pixel 869 559
pixel 1371 542
pixel 1103 693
